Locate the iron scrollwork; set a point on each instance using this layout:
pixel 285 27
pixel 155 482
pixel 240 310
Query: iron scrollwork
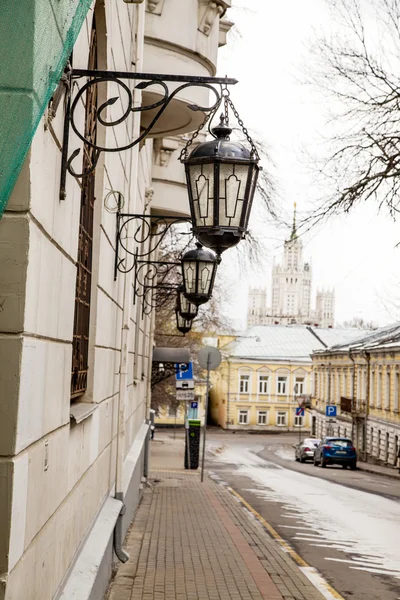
pixel 156 282
pixel 125 96
pixel 146 227
pixel 162 371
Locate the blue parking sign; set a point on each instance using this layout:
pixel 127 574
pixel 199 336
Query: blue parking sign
pixel 193 405
pixel 330 411
pixel 184 371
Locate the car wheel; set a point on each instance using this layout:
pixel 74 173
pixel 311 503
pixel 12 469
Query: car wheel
pixel 302 460
pixel 323 463
pixel 344 466
pixel 353 466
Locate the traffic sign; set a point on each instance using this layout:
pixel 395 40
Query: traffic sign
pixel 331 411
pixel 209 358
pixel 185 385
pixel 184 371
pixel 300 412
pixel 194 404
pixel 331 420
pixel 185 395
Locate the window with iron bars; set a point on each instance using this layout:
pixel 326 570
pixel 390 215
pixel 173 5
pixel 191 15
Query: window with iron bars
pixel 80 344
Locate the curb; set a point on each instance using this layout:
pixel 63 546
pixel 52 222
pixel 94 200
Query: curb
pixel 380 473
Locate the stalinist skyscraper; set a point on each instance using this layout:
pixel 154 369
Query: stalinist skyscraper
pixel 291 292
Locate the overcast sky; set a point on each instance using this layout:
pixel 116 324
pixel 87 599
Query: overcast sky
pixel 355 254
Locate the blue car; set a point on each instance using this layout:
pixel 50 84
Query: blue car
pixel 336 451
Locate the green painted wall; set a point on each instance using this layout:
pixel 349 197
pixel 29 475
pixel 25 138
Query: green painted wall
pixel 36 39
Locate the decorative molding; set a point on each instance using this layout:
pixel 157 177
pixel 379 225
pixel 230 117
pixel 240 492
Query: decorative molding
pixel 155 6
pixel 209 10
pixel 163 150
pixel 224 27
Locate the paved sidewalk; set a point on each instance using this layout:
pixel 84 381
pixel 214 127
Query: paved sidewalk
pixel 193 540
pixel 378 469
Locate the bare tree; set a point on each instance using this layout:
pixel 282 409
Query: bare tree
pixel 359 68
pixel 210 321
pixel 359 323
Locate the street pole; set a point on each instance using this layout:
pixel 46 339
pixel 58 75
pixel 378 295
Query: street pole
pixel 205 416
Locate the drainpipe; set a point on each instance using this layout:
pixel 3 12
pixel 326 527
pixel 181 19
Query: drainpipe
pixel 367 357
pixel 353 392
pixel 127 302
pixel 229 393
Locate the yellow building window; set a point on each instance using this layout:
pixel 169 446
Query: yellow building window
pixel 282 385
pixel 281 418
pixel 263 381
pixel 243 417
pixel 262 417
pixel 244 384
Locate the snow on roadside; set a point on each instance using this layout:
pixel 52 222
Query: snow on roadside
pixel 364 526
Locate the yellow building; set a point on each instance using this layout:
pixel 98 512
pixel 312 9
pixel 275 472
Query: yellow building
pixel 264 376
pixel 362 379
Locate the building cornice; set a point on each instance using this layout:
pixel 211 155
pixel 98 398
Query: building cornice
pixel 166 45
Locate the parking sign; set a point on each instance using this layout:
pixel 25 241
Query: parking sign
pixel 184 373
pixel 331 411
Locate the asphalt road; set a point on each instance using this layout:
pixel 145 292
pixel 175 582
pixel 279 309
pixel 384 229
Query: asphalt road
pixel 346 524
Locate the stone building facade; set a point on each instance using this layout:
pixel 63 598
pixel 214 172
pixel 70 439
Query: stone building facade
pixel 75 351
pixel 362 379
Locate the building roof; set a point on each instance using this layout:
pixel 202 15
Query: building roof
pixel 384 337
pixel 286 342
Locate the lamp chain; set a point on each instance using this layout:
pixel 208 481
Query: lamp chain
pixel 184 152
pixel 254 151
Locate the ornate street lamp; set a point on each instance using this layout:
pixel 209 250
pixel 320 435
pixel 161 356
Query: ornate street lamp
pixel 182 324
pixel 199 267
pixel 221 177
pixel 186 309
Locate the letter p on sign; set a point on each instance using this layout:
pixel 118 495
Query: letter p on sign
pixel 330 411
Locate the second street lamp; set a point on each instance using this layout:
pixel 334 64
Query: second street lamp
pixel 199 268
pixel 186 309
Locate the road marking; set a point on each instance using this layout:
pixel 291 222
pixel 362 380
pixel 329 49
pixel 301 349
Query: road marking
pixel 310 572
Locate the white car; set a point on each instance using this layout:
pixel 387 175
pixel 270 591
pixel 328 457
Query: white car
pixel 305 450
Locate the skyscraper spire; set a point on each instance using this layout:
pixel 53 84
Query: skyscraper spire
pixel 294 231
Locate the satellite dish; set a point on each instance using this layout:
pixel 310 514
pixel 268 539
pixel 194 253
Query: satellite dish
pixel 209 358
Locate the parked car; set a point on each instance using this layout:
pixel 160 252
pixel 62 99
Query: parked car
pixel 305 450
pixel 336 451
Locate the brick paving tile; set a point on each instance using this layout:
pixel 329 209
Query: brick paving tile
pixel 194 541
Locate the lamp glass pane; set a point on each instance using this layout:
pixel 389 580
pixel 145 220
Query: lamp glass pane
pixel 232 188
pixel 254 176
pixel 201 179
pixel 184 303
pixel 189 273
pixel 206 270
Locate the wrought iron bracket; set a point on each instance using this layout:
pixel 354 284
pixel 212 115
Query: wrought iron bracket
pixel 126 98
pixel 153 227
pixel 162 371
pixel 156 282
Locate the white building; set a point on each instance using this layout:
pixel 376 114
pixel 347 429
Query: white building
pixel 291 293
pixel 75 352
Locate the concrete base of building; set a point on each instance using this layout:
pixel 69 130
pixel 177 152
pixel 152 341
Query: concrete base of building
pixel 91 572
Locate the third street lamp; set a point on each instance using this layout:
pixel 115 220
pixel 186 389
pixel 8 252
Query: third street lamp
pixel 199 267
